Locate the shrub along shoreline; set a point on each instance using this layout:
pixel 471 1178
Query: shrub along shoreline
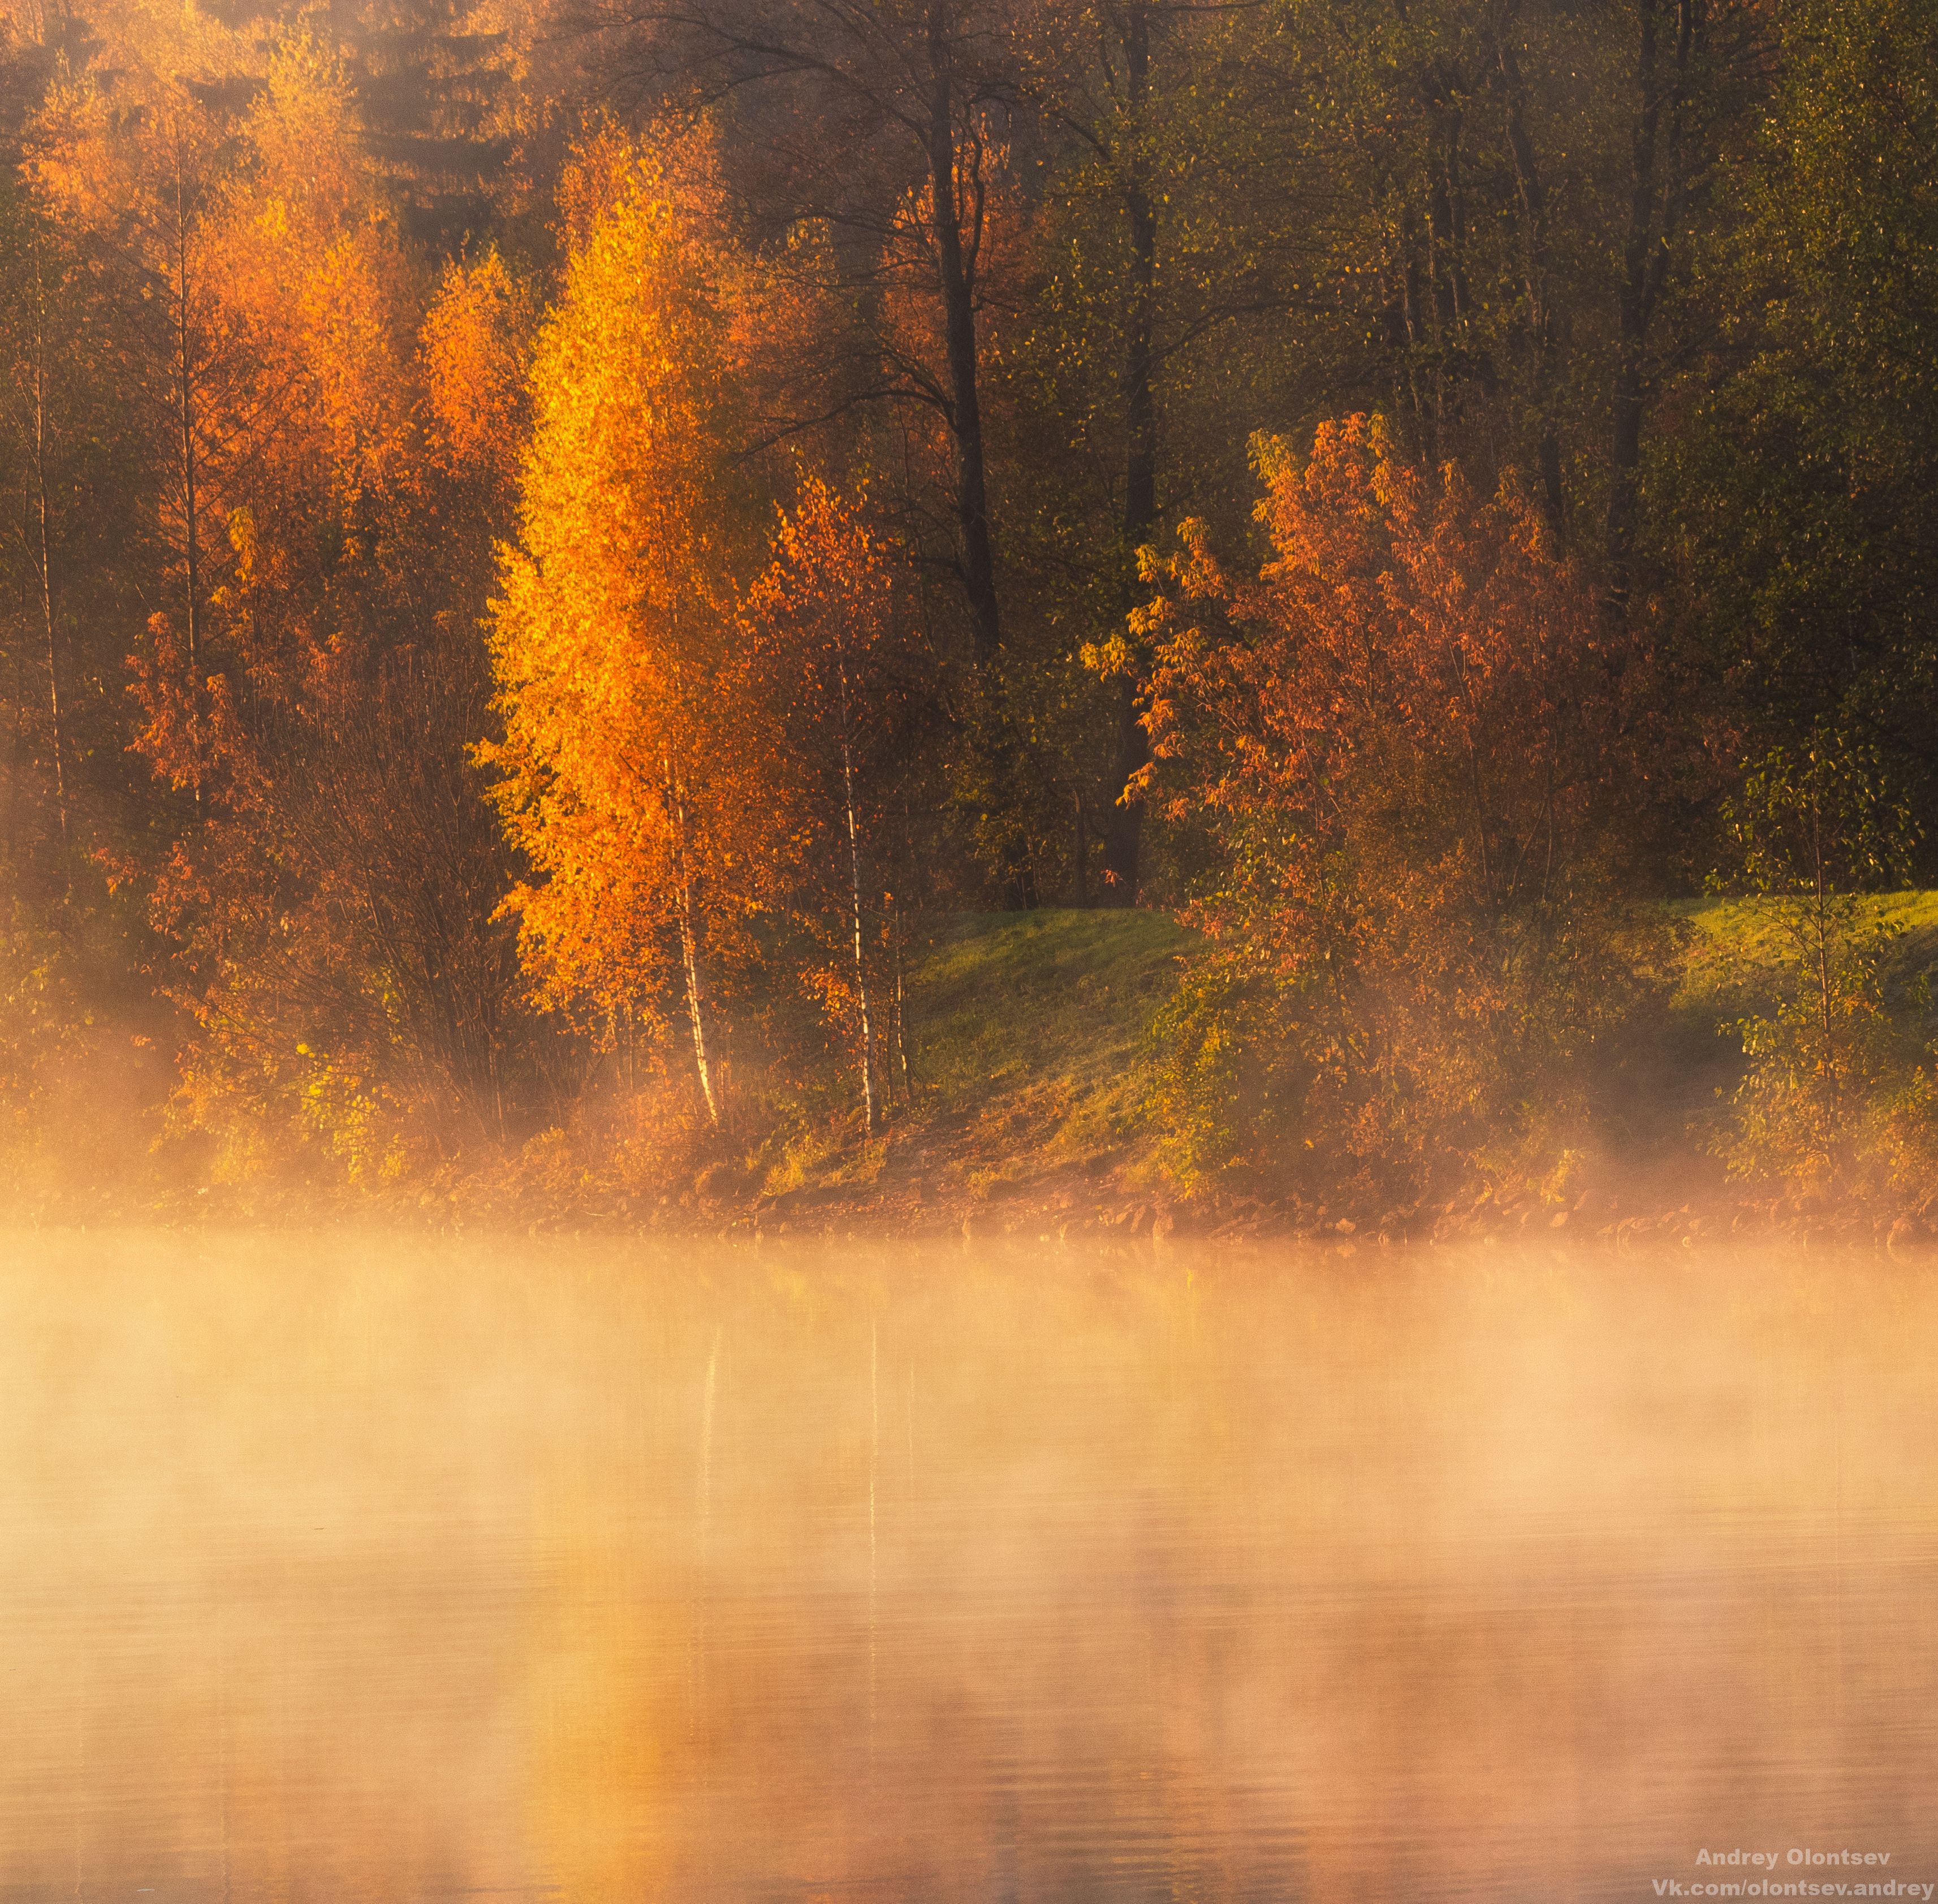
pixel 1660 1158
pixel 1035 1106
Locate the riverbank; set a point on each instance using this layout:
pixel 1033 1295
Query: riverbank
pixel 1028 1116
pixel 1025 1109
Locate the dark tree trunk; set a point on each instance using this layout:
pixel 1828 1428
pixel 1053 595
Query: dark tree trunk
pixel 1122 828
pixel 1655 205
pixel 955 269
pixel 185 404
pixel 57 736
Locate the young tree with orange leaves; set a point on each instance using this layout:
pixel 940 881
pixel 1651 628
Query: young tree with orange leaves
pixel 636 754
pixel 877 134
pixel 473 343
pixel 832 627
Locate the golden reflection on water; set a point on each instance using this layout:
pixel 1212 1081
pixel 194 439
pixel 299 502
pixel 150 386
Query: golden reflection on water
pixel 352 1570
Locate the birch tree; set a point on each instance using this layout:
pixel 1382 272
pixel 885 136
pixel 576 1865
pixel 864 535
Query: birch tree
pixel 634 744
pixel 830 624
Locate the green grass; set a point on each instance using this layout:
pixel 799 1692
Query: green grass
pixel 1006 1003
pixel 1001 998
pixel 1025 1028
pixel 1735 948
pixel 1027 1034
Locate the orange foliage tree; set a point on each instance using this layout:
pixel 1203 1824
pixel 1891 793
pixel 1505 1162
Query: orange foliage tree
pixel 636 761
pixel 314 682
pixel 473 343
pixel 1404 739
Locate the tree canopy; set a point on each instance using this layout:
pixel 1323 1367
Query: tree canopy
pixel 534 540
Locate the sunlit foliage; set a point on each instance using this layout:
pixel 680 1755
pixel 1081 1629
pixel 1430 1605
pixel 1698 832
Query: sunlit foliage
pixel 1404 738
pixel 535 541
pixel 634 758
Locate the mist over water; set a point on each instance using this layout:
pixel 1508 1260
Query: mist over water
pixel 348 1569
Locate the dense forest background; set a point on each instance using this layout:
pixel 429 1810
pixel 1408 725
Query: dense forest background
pixel 538 543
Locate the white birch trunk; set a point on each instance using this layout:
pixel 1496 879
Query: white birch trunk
pixel 854 895
pixel 689 948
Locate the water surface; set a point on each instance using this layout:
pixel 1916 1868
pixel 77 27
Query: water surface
pixel 348 1570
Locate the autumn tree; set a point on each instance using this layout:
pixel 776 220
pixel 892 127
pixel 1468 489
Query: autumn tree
pixel 37 274
pixel 1404 738
pixel 831 625
pixel 328 894
pixel 81 561
pixel 136 161
pixel 474 340
pixel 361 565
pixel 1813 833
pixel 887 122
pixel 634 752
pixel 873 144
pixel 1153 270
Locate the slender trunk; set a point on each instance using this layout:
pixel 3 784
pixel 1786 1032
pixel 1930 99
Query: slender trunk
pixel 1823 1000
pixel 14 764
pixel 1140 214
pixel 690 958
pixel 1415 302
pixel 46 556
pixel 1446 219
pixel 1122 832
pixel 955 269
pixel 1828 1065
pixel 1123 822
pixel 1482 829
pixel 956 200
pixel 1547 865
pixel 1625 458
pixel 1482 823
pixel 689 946
pixel 854 897
pixel 185 397
pixel 901 1014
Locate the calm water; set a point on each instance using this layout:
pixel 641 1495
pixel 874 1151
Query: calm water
pixel 350 1571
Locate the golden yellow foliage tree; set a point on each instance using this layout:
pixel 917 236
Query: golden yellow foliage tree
pixel 313 266
pixel 635 742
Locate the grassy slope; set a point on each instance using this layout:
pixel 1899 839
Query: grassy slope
pixel 1008 1002
pixel 1027 1030
pixel 1734 945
